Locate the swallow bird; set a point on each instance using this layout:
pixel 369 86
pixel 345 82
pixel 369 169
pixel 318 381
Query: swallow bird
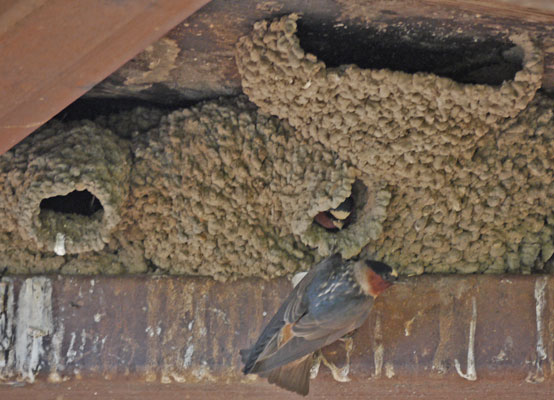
pixel 336 218
pixel 333 299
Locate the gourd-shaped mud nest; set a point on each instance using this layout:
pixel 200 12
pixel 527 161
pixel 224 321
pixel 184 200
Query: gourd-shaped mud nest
pixel 469 166
pixel 65 186
pixel 225 191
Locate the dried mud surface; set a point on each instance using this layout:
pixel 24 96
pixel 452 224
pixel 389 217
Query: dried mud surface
pixel 469 166
pixel 224 191
pixel 218 190
pixel 446 176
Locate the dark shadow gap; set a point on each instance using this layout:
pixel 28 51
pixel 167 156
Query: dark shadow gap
pixel 80 202
pixel 490 61
pixel 91 108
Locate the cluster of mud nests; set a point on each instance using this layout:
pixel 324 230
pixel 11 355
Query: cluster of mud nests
pixel 445 176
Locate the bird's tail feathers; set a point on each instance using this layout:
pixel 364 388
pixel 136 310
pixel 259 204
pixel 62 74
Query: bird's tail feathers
pixel 294 376
pixel 245 357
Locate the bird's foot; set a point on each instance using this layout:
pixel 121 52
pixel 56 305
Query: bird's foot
pixel 315 365
pixel 339 374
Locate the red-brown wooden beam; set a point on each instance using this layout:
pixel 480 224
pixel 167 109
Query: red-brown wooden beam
pixel 456 337
pixel 52 52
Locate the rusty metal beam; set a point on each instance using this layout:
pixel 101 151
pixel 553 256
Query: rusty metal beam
pixel 54 51
pixel 173 337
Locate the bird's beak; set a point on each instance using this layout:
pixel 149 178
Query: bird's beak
pixel 394 273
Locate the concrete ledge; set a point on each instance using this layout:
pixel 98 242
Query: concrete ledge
pixel 168 337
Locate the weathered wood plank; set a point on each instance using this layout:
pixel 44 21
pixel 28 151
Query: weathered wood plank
pixel 53 52
pixel 434 337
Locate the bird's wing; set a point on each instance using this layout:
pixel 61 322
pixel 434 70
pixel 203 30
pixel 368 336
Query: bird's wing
pixel 294 308
pixel 310 334
pixel 349 316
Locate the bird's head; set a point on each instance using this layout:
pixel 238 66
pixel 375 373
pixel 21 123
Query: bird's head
pixel 383 270
pixel 376 277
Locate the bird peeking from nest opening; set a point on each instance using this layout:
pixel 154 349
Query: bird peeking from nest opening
pixel 337 218
pixel 334 298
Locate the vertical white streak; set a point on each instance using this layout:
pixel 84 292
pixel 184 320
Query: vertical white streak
pixel 188 353
pixel 6 326
pixel 71 353
pixel 59 246
pixel 471 374
pixel 540 302
pixel 378 349
pixel 56 355
pixel 540 286
pixel 34 320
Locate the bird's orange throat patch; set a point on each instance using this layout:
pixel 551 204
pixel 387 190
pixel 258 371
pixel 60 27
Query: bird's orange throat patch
pixel 376 284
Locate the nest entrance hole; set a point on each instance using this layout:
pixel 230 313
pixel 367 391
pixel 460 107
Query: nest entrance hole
pixel 349 207
pixel 421 48
pixel 80 202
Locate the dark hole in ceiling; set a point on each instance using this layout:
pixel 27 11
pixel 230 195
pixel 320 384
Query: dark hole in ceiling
pixel 489 61
pixel 80 202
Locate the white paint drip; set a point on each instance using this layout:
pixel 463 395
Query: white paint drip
pixel 389 370
pixel 33 322
pixel 56 355
pixel 70 355
pixel 83 342
pixel 540 286
pixel 378 357
pixel 378 349
pixel 94 348
pixel 471 374
pixel 6 325
pixel 408 327
pixel 537 375
pixel 59 245
pixel 188 356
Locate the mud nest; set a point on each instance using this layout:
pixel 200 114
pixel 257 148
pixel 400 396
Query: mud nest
pixel 469 166
pixel 218 190
pixel 225 191
pixel 65 186
pixel 445 176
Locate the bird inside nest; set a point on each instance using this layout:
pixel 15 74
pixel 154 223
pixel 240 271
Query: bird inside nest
pixel 334 298
pixel 337 218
